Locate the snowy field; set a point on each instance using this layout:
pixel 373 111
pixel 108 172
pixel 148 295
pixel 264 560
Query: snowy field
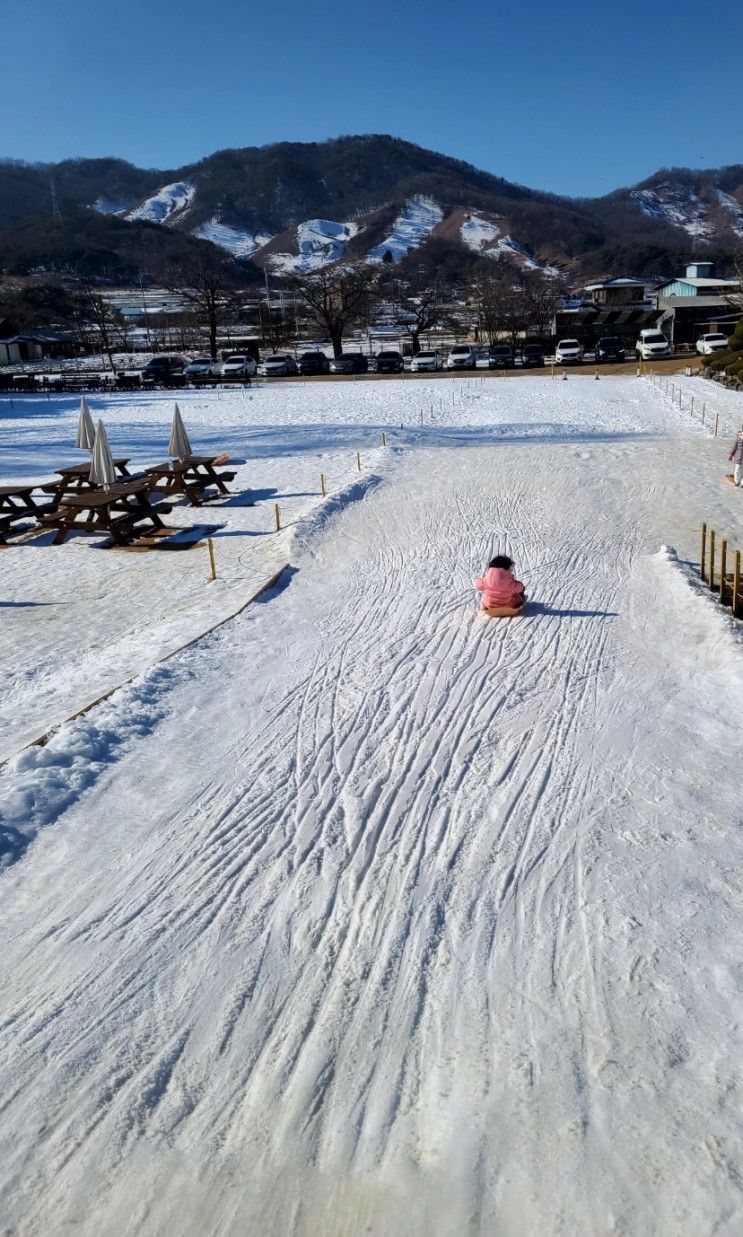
pixel 364 914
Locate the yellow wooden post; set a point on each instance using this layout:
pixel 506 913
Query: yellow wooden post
pixel 723 568
pixel 322 484
pixel 277 517
pixel 552 371
pixel 736 581
pixel 704 550
pixel 712 559
pixel 358 460
pixel 384 439
pixel 212 563
pixel 717 422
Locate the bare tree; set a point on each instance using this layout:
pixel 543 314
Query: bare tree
pixel 209 291
pixel 336 297
pixel 421 305
pixel 499 305
pixel 99 319
pixel 543 293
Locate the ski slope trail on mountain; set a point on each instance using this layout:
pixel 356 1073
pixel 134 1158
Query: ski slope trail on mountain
pixel 383 917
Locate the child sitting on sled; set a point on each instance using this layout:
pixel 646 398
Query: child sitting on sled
pixel 499 587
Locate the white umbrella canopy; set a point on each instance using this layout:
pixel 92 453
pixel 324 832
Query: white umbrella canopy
pixel 102 469
pixel 179 445
pixel 85 428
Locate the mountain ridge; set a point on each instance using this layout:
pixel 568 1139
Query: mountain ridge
pixel 297 206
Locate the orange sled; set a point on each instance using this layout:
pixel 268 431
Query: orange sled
pixel 501 611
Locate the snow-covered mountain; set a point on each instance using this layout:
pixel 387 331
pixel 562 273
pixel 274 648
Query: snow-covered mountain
pixel 297 207
pixel 318 242
pixel 163 206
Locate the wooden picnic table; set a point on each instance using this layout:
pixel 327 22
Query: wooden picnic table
pixel 18 498
pixel 117 510
pixel 18 503
pixel 77 476
pixel 190 476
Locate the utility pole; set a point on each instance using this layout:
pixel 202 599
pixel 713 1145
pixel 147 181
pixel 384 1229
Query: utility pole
pixel 56 216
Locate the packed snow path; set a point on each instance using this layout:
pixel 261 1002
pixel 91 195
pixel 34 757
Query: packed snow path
pixel 386 918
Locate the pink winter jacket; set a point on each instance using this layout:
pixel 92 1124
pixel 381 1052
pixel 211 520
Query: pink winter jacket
pixel 500 588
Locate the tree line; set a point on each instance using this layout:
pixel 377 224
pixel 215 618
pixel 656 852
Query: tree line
pixel 331 302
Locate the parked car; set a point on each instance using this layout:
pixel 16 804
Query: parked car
pixel 202 367
pixel 500 356
pixel 462 356
pixel 164 369
pixel 707 344
pixel 349 363
pixel 313 363
pixel 532 356
pixel 389 363
pixel 280 365
pixel 651 345
pixel 239 365
pixel 609 348
pixel 569 352
pixel 427 362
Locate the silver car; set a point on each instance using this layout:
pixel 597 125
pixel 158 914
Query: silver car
pixel 427 362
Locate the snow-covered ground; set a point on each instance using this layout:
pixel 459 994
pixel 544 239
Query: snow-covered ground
pixel 171 200
pixel 363 913
pixel 416 220
pixel 677 205
pixel 240 242
pixel 319 242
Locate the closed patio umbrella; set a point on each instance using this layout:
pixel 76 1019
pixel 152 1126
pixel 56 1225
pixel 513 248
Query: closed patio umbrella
pixel 179 445
pixel 85 428
pixel 102 470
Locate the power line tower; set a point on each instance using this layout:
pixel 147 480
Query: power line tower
pixel 56 216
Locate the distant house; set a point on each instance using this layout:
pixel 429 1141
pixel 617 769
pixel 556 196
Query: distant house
pixel 617 292
pixel 19 346
pixel 697 302
pixel 621 306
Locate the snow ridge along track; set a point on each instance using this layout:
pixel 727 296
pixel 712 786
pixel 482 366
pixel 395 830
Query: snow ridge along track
pixel 411 920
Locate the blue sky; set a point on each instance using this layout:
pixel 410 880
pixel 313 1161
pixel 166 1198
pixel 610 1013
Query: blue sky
pixel 576 98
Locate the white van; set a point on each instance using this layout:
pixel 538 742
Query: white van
pixel 652 345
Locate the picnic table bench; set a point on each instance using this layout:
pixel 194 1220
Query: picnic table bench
pixel 190 476
pixel 17 503
pixel 118 510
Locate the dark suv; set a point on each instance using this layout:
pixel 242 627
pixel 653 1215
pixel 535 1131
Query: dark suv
pixel 532 356
pixel 313 363
pixel 349 363
pixel 609 348
pixel 501 356
pixel 389 363
pixel 165 370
